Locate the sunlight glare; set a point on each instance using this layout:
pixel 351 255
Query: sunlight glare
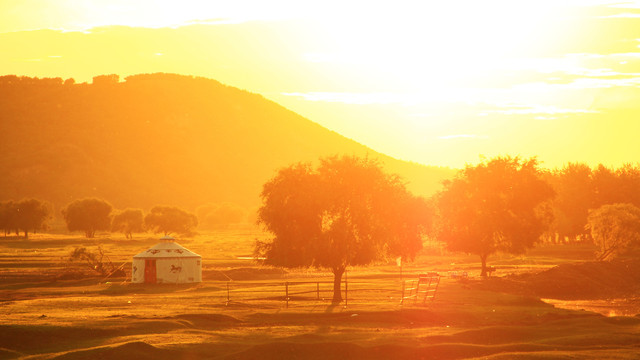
pixel 418 46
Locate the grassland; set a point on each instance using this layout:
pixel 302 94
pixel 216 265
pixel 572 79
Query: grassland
pixel 239 311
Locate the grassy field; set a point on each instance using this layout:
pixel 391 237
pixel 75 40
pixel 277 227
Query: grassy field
pixel 239 311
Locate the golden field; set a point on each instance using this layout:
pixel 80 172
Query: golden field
pixel 50 311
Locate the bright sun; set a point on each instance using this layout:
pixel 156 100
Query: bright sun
pixel 436 45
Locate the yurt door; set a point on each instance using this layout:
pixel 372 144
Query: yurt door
pixel 150 271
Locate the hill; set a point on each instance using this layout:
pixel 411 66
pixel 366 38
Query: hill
pixel 159 139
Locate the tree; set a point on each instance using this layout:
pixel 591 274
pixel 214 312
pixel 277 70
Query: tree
pixel 345 212
pixel 497 205
pixel 629 184
pixel 606 186
pixel 408 218
pixel 128 221
pixel 575 195
pixel 615 229
pixel 216 216
pixel 30 214
pixel 88 215
pixel 7 214
pixel 169 219
pixel 25 215
pixel 106 79
pixel 95 260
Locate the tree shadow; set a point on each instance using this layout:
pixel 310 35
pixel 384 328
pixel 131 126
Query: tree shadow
pixel 330 309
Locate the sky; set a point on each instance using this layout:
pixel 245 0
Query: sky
pixel 443 83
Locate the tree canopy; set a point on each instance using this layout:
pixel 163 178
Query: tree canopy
pixel 575 190
pixel 170 219
pixel 25 215
pixel 128 221
pixel 347 211
pixel 497 205
pixel 217 216
pixel 88 215
pixel 615 229
pixel 580 188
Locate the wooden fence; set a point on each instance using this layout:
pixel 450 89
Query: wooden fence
pixel 380 290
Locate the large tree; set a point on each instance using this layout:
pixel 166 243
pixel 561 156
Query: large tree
pixel 170 219
pixel 498 205
pixel 347 211
pixel 88 215
pixel 615 228
pixel 128 221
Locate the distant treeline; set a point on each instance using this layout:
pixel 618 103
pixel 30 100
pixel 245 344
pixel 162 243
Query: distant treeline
pixel 90 215
pixel 580 188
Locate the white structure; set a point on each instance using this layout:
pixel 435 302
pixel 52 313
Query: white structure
pixel 166 263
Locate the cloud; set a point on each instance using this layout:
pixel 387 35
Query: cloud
pixel 622 15
pixel 463 136
pixel 353 98
pixel 217 21
pixel 539 109
pixel 625 5
pixel 600 83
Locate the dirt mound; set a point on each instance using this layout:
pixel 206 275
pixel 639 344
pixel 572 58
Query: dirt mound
pixel 29 337
pixel 404 317
pixel 320 351
pixel 335 350
pixel 134 350
pixel 588 280
pixel 207 320
pixel 9 354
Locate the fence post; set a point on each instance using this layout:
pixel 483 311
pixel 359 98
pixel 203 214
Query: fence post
pixel 318 289
pixel 228 297
pixel 413 287
pixel 286 293
pixel 346 289
pixel 402 297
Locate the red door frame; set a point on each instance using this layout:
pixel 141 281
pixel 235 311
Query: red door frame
pixel 150 275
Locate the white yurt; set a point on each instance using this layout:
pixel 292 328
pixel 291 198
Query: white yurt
pixel 166 263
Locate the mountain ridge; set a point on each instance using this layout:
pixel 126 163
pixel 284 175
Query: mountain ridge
pixel 160 139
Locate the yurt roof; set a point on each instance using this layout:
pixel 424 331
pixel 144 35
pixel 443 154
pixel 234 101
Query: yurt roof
pixel 167 250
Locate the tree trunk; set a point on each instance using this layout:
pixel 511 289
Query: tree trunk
pixel 483 259
pixel 605 254
pixel 337 288
pixel 26 235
